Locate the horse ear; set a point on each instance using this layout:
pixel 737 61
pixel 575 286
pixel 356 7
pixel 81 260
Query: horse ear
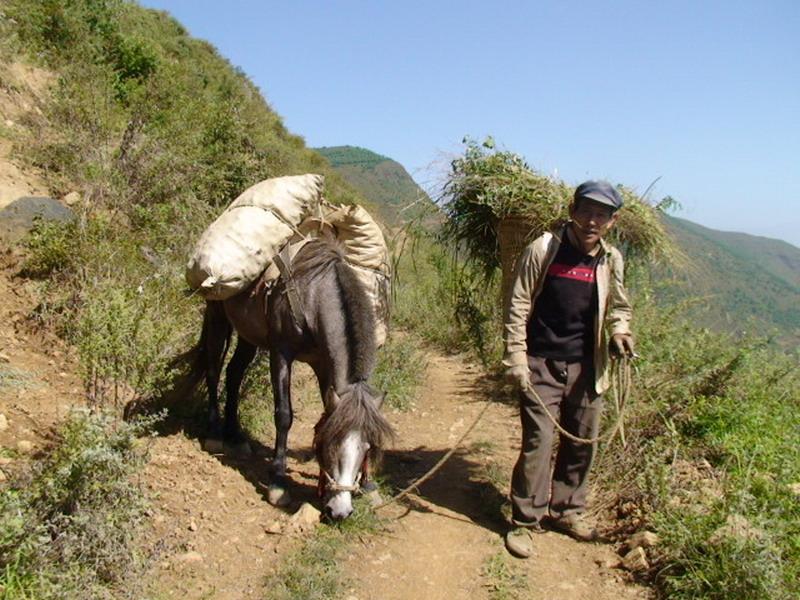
pixel 332 399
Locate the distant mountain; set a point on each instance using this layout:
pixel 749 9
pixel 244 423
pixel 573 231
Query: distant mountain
pixel 381 180
pixel 752 283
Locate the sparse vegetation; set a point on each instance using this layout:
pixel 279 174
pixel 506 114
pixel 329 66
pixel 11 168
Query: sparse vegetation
pixel 68 526
pixel 505 580
pixel 401 367
pixel 313 571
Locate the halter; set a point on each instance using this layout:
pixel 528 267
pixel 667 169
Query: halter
pixel 333 486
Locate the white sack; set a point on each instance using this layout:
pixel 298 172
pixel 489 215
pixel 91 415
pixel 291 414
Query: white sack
pixel 241 243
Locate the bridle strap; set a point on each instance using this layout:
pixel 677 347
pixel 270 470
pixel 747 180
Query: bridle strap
pixel 331 485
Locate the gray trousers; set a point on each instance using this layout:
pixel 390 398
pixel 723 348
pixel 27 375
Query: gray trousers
pixel 540 487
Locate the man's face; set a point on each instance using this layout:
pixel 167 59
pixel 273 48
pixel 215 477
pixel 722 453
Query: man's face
pixel 593 220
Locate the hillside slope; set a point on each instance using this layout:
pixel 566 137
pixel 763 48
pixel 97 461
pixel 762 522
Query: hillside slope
pixel 382 180
pixel 751 283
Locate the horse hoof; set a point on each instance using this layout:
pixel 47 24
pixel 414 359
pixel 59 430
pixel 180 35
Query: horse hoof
pixel 213 446
pixel 369 486
pixel 278 496
pixel 239 450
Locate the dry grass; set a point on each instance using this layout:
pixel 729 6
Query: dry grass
pixel 487 186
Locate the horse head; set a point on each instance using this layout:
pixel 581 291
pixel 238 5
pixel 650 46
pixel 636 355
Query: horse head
pixel 349 432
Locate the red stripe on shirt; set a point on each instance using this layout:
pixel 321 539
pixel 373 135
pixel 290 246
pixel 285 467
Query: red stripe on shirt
pixel 578 273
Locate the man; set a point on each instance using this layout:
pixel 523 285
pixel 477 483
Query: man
pixel 566 299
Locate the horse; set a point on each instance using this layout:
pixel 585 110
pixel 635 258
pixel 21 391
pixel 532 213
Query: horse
pixel 317 313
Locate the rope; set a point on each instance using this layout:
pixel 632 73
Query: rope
pixel 403 493
pixel 620 392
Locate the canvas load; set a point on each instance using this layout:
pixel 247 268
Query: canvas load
pixel 365 250
pixel 236 248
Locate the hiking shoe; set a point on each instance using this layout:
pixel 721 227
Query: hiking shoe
pixel 575 527
pixel 519 542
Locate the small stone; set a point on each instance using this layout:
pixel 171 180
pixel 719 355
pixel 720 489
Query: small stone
pixel 636 560
pixel 71 199
pixel 192 525
pixel 306 515
pixel 3 422
pixel 273 527
pixel 642 539
pixel 24 446
pixel 374 498
pixel 190 557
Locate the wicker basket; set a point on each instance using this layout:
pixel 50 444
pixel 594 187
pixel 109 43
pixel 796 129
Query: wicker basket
pixel 513 234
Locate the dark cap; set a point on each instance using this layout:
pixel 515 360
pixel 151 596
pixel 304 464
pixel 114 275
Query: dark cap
pixel 599 191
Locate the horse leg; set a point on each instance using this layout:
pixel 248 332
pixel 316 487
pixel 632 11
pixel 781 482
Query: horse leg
pixel 242 357
pixel 281 375
pixel 217 332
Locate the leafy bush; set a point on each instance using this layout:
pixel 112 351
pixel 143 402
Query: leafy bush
pixel 67 528
pixel 52 248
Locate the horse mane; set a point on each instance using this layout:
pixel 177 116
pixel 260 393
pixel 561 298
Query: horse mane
pixel 357 410
pixel 314 259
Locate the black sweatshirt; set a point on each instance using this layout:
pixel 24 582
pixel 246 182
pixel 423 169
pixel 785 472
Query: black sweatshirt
pixel 562 324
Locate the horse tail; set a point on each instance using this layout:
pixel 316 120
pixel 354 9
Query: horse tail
pixel 360 318
pixel 209 352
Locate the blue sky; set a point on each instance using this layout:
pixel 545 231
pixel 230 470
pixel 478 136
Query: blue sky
pixel 705 95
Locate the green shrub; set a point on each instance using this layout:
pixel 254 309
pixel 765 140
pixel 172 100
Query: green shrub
pixel 67 528
pixel 710 439
pixel 446 302
pixel 400 371
pixel 52 248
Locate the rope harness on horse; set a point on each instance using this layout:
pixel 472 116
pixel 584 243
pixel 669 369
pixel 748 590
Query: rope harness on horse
pixel 333 486
pixel 620 392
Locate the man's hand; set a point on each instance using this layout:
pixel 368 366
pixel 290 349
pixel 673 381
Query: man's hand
pixel 517 375
pixel 622 345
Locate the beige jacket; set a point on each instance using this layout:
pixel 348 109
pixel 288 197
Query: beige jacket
pixel 613 307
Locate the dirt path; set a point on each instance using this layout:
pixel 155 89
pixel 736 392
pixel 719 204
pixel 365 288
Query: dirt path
pixel 443 542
